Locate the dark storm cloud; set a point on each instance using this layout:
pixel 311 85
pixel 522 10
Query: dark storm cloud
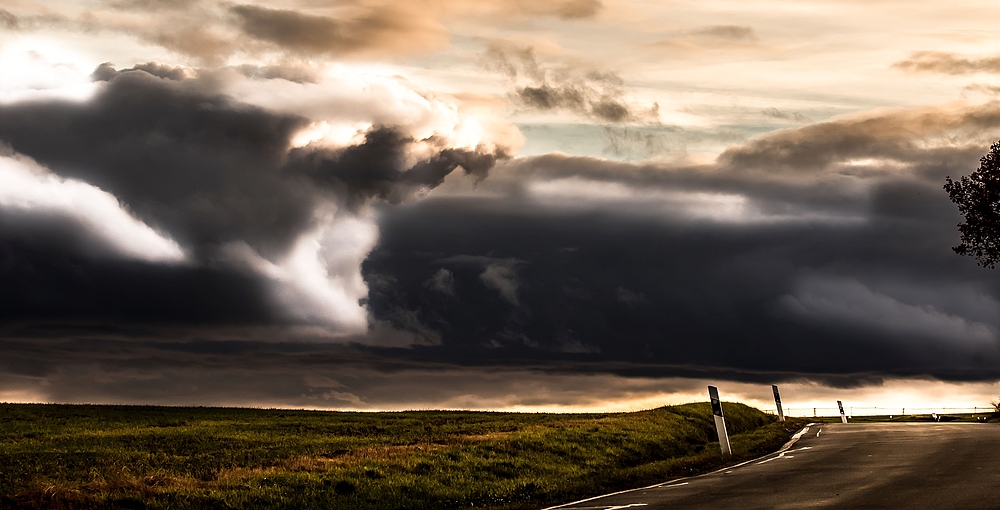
pixel 498 274
pixel 442 281
pixel 142 368
pixel 199 167
pixel 50 270
pixel 597 94
pixel 821 252
pixel 376 168
pixel 779 297
pixel 203 169
pixel 210 170
pixel 948 63
pixel 845 275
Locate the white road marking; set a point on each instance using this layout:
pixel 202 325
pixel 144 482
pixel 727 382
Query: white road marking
pixel 817 433
pixel 612 507
pixel 795 438
pixel 787 445
pixel 784 455
pixel 674 485
pixel 780 455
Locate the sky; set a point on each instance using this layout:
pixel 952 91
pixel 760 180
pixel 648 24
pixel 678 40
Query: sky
pixel 554 205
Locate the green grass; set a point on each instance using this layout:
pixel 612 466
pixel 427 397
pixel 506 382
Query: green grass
pixel 62 456
pixel 905 418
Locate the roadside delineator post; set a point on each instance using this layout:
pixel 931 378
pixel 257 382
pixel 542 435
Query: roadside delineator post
pixel 777 402
pixel 720 421
pixel 843 417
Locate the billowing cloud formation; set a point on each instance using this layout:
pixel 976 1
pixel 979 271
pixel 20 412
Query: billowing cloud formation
pixel 199 166
pixel 233 202
pixel 28 189
pixel 220 180
pixel 818 250
pixel 372 169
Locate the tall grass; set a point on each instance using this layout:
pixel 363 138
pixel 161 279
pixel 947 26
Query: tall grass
pixel 56 456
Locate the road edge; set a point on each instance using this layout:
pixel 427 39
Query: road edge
pixel 791 442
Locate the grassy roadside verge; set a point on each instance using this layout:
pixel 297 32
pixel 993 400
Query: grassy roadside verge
pixel 982 417
pixel 154 457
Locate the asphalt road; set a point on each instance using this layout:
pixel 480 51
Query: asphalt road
pixel 871 465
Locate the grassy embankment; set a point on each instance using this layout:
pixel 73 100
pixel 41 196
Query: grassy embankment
pixel 56 456
pixel 908 418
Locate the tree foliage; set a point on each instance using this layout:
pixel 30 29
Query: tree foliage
pixel 978 199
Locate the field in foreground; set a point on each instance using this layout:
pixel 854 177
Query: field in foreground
pixel 63 456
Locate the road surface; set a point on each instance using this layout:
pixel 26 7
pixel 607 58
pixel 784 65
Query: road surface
pixel 871 465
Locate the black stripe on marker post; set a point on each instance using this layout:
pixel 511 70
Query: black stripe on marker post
pixel 720 421
pixel 777 402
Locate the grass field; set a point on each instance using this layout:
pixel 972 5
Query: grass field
pixel 67 456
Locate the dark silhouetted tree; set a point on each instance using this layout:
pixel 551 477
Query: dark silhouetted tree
pixel 978 199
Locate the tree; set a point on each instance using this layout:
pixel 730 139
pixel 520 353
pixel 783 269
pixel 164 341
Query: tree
pixel 978 199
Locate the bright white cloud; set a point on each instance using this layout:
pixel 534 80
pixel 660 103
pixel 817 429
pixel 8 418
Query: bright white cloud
pixel 320 280
pixel 29 188
pixel 690 205
pixel 39 68
pixel 352 98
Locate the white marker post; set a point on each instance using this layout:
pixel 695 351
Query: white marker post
pixel 843 417
pixel 777 402
pixel 720 421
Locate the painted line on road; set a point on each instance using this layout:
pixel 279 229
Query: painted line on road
pixel 798 435
pixel 674 483
pixel 780 456
pixel 783 455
